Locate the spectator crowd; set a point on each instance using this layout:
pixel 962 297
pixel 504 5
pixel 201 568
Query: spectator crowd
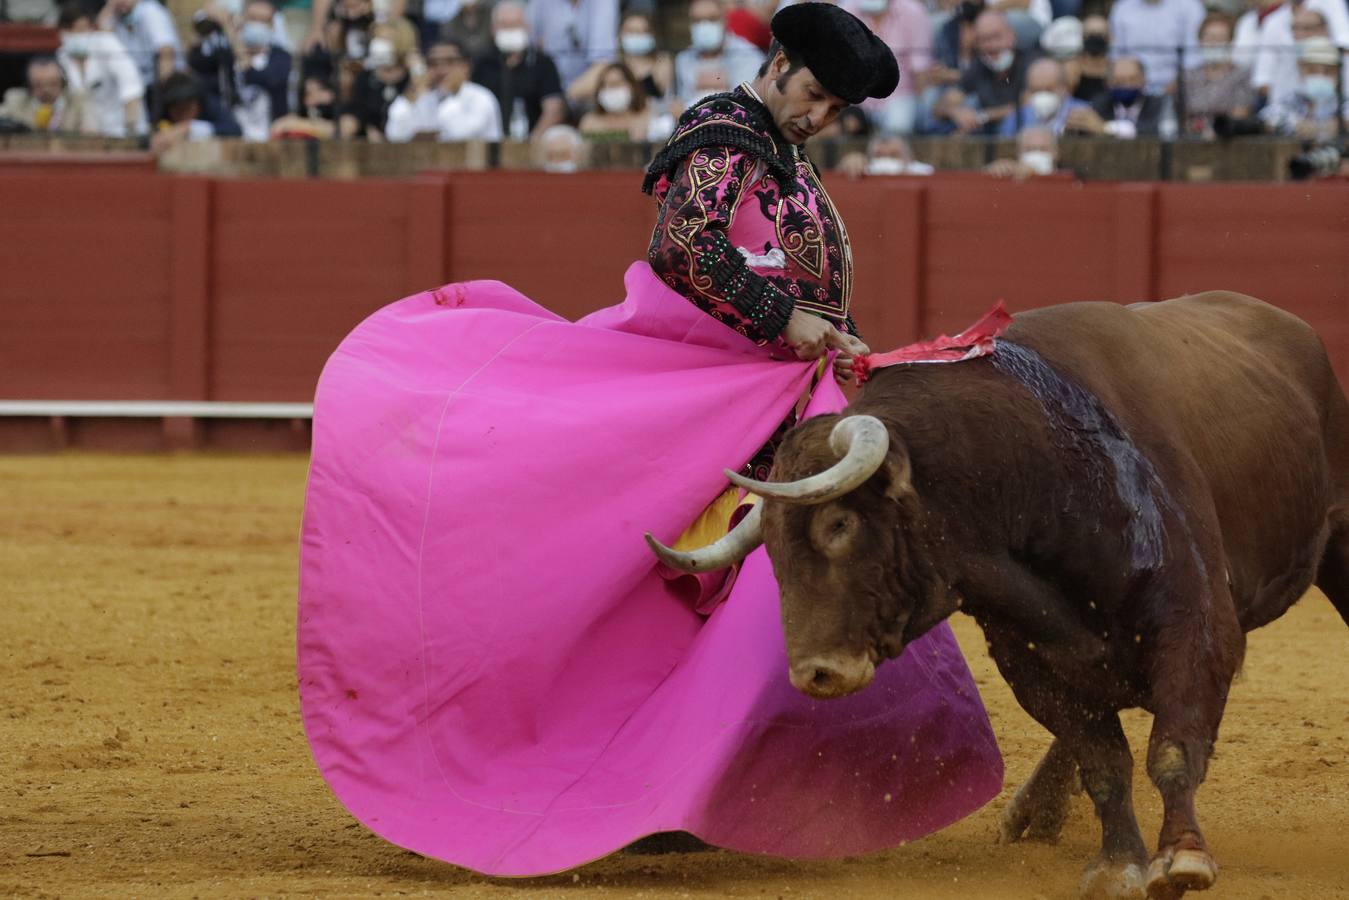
pixel 581 71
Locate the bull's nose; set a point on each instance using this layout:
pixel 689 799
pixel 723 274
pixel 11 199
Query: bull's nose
pixel 832 675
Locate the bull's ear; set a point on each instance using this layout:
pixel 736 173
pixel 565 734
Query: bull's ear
pixel 897 471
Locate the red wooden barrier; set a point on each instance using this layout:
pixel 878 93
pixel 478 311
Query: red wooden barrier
pixel 140 286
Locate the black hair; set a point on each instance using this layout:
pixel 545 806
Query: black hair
pixel 180 87
pixel 792 62
pixel 445 40
pixel 72 12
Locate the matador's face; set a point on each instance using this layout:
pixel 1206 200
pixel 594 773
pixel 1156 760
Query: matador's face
pixel 799 103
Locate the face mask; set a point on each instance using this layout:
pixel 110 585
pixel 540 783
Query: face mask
pixel 1125 96
pixel 76 43
pixel 1041 162
pixel 512 40
pixel 258 35
pixel 1095 45
pixel 885 165
pixel 873 7
pixel 637 43
pixel 560 167
pixel 615 99
pixel 970 11
pixel 1318 88
pixel 706 36
pixel 1000 63
pixel 1045 104
pixel 1213 54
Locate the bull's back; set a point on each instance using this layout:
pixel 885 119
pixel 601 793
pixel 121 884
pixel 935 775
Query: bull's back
pixel 1236 386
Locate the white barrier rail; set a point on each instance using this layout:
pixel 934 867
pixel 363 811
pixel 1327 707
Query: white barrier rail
pixel 156 409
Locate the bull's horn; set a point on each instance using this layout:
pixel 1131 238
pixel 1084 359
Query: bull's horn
pixel 738 543
pixel 861 441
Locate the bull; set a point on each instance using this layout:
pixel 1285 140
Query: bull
pixel 1117 495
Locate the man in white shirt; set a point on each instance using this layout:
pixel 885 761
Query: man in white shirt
pixel 443 104
pixel 98 67
pixel 147 31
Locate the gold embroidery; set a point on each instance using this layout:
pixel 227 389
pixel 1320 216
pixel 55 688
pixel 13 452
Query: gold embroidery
pixel 845 251
pixel 805 247
pixel 706 168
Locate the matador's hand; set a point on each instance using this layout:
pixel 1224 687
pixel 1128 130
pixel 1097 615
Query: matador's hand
pixel 810 337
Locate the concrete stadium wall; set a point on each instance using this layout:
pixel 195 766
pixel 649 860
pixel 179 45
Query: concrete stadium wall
pixel 129 285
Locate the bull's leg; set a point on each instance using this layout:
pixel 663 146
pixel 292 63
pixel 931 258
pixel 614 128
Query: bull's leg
pixel 1333 575
pixel 1098 745
pixel 1040 807
pixel 1193 660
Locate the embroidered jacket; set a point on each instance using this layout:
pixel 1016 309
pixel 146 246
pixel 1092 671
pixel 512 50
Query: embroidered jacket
pixel 745 229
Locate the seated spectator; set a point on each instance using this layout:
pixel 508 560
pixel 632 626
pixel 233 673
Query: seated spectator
pixel 1313 111
pixel 1308 23
pixel 1093 65
pixel 523 78
pixel 622 110
pixel 1126 110
pixel 384 76
pixel 1047 103
pixel 99 70
pixel 906 29
pixel 46 105
pixel 992 84
pixel 1037 153
pixel 887 154
pixel 1282 31
pixel 470 27
pixel 263 74
pixel 318 113
pixel 1216 87
pixel 715 61
pixel 146 30
pixel 575 33
pixel 185 114
pixel 560 149
pixel 1151 30
pixel 653 69
pixel 442 104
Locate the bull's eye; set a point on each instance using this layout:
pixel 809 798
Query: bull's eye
pixel 834 530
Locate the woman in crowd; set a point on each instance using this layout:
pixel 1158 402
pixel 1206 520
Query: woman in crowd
pixel 622 110
pixel 1218 87
pixel 653 69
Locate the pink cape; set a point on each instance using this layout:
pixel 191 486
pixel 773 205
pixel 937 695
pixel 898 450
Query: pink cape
pixel 491 670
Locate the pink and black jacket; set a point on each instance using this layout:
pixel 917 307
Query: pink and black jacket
pixel 746 230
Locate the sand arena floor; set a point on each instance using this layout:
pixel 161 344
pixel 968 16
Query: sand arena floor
pixel 150 741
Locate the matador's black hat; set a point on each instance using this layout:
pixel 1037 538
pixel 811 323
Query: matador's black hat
pixel 840 51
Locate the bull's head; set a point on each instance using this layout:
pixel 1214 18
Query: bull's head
pixel 845 533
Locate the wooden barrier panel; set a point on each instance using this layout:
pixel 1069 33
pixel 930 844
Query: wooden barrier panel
pixel 85 285
pixel 1286 245
pixel 295 265
pixel 136 286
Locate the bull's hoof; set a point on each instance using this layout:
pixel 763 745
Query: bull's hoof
pixel 1106 880
pixel 1035 818
pixel 1173 872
